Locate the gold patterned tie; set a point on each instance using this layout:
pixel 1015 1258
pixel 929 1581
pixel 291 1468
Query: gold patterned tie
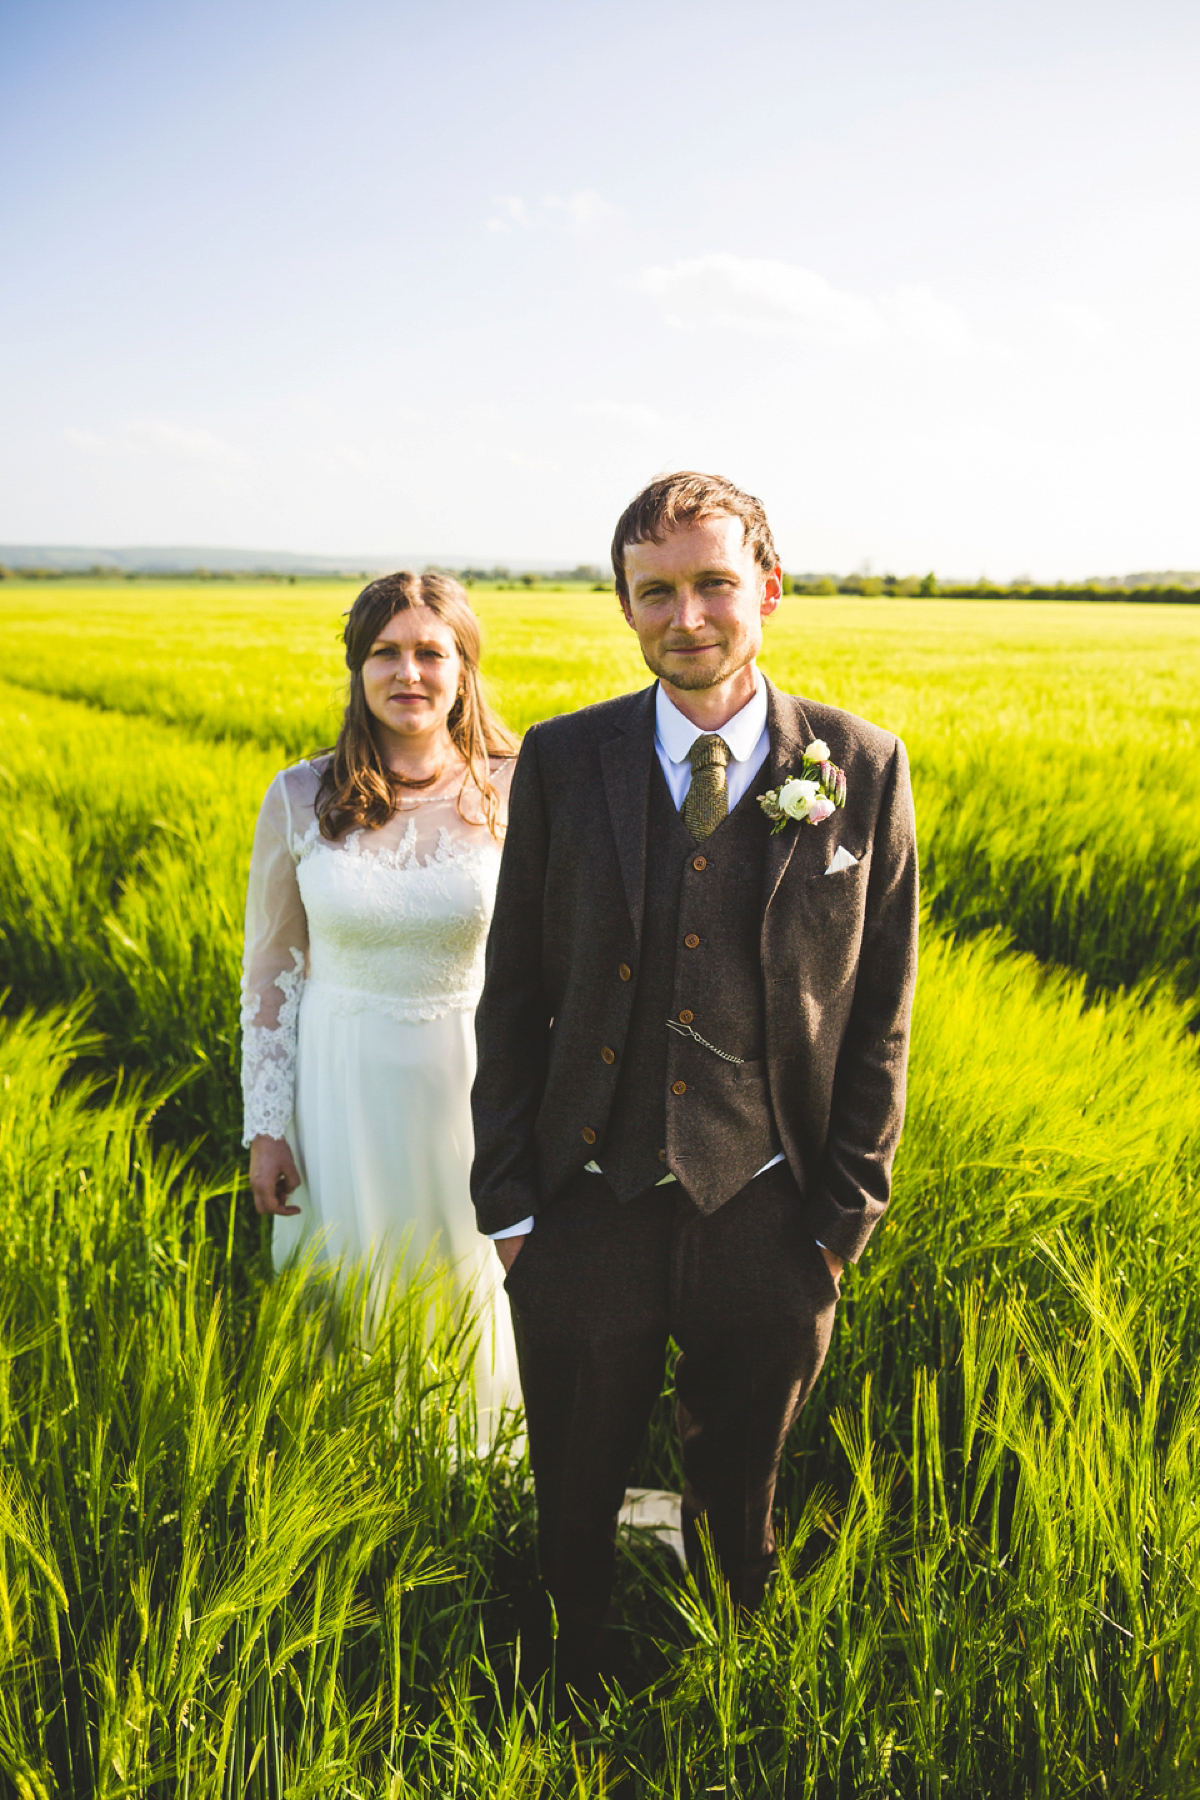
pixel 707 801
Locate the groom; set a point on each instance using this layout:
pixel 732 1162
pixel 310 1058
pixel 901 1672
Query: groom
pixel 692 1048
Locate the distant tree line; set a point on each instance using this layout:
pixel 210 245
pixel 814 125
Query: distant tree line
pixel 1181 589
pixel 1184 591
pixel 583 574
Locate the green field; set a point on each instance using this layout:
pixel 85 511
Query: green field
pixel 241 1555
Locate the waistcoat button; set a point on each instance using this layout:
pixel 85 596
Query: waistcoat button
pixel 679 1087
pixel 686 1016
pixel 691 940
pixel 607 1055
pixel 699 862
pixel 662 1156
pixel 588 1135
pixel 625 972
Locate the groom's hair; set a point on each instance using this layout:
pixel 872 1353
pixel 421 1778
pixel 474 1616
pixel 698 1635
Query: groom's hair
pixel 683 499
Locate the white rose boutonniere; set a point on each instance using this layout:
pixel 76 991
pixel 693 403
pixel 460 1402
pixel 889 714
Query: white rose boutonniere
pixel 813 795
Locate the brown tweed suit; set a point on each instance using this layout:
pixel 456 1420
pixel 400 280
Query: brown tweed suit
pixel 726 1264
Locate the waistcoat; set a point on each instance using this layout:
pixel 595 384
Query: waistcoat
pixel 678 1105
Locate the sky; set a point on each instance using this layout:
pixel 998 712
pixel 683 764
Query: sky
pixel 457 279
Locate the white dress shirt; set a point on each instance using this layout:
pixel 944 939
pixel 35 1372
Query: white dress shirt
pixel 745 734
pixel 749 744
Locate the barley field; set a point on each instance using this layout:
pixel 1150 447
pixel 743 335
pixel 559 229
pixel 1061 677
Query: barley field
pixel 247 1549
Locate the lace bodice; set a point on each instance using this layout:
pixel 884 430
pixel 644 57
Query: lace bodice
pixel 394 920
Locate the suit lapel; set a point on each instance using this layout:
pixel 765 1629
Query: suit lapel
pixel 789 733
pixel 627 761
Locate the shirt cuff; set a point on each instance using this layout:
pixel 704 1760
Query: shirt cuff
pixel 526 1225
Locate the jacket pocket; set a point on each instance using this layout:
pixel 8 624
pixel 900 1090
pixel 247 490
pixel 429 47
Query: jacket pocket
pixel 849 876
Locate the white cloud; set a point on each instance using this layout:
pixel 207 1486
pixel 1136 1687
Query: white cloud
pixel 632 413
pixel 581 211
pixel 917 315
pixel 159 439
pixel 511 214
pixel 770 298
pixel 87 441
pixel 576 214
pixel 1083 326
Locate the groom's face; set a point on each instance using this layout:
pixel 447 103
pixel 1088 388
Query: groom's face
pixel 698 600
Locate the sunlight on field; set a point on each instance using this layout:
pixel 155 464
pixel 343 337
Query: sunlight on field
pixel 238 1554
pixel 264 661
pixel 1045 739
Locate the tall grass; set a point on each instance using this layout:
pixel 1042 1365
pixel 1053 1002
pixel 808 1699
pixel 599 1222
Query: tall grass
pixel 122 876
pixel 1099 870
pixel 230 1512
pixel 1035 1120
pixel 247 1547
pixel 1009 1609
pixel 248 1544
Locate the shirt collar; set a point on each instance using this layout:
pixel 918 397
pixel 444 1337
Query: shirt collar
pixel 742 733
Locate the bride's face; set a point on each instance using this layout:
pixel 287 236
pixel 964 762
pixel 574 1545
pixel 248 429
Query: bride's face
pixel 412 674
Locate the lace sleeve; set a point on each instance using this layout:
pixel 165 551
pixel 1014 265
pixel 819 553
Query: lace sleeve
pixel 273 971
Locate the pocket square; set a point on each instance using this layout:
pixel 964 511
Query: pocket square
pixel 841 859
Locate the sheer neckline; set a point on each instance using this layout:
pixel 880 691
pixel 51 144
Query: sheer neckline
pixel 449 789
pixel 429 818
pixel 411 798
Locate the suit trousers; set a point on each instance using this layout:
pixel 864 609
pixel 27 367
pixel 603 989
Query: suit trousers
pixel 596 1291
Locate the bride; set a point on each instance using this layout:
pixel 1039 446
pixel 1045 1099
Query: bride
pixel 371 891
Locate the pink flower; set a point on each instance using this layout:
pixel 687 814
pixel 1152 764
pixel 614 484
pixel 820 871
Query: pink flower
pixel 819 809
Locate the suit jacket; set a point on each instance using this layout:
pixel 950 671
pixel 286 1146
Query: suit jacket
pixel 838 958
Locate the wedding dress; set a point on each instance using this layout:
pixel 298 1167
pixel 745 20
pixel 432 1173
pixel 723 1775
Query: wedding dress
pixel 364 964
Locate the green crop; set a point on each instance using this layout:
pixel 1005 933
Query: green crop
pixel 1054 747
pixel 247 1543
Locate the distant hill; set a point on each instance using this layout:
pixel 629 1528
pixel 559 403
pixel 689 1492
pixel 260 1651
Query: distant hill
pixel 173 559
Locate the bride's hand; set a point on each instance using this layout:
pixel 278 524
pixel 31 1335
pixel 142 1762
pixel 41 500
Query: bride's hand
pixel 273 1175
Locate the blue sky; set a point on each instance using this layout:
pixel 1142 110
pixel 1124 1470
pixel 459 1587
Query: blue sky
pixel 457 279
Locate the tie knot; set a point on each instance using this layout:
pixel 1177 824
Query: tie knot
pixel 708 752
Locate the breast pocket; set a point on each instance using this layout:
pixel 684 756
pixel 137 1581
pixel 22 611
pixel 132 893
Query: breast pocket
pixel 817 926
pixel 831 879
pixel 846 873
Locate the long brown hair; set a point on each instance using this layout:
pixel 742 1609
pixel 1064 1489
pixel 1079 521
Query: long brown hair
pixel 357 788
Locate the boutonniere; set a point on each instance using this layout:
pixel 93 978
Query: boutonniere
pixel 816 792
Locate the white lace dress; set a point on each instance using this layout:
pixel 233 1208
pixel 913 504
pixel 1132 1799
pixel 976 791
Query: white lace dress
pixel 364 964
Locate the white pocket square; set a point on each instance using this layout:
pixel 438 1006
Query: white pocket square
pixel 841 859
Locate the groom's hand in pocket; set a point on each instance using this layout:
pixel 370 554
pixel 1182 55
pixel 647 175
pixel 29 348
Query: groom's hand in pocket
pixel 508 1249
pixel 273 1175
pixel 835 1264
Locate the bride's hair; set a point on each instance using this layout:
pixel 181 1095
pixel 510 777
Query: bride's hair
pixel 357 788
